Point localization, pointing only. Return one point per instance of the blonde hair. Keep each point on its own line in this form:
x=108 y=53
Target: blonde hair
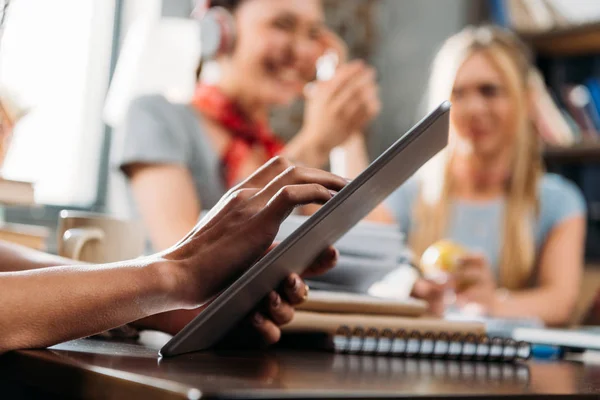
x=511 y=57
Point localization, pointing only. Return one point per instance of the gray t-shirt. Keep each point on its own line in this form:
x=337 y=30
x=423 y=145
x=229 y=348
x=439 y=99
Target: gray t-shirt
x=478 y=225
x=157 y=131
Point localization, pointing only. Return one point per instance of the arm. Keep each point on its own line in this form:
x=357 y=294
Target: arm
x=560 y=271
x=168 y=213
x=19 y=258
x=45 y=306
x=154 y=155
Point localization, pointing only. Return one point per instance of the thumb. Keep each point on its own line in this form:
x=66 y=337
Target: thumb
x=309 y=90
x=424 y=289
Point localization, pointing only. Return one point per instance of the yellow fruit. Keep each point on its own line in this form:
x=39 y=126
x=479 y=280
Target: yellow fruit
x=441 y=257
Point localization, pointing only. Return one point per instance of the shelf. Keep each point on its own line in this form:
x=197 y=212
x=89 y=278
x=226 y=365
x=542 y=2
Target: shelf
x=586 y=153
x=568 y=41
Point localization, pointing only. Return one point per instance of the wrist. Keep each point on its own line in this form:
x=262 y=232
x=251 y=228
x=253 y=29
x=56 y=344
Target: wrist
x=307 y=150
x=171 y=280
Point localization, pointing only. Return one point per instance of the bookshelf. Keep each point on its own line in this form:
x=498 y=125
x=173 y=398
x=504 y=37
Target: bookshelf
x=579 y=153
x=568 y=57
x=575 y=41
x=562 y=42
x=566 y=41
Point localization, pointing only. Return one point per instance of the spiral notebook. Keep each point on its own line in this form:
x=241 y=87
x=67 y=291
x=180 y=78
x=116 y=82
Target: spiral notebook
x=399 y=336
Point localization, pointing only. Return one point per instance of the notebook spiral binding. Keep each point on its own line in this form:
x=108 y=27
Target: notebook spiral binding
x=469 y=347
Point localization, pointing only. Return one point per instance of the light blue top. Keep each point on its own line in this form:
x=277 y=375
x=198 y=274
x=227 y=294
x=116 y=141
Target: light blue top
x=477 y=225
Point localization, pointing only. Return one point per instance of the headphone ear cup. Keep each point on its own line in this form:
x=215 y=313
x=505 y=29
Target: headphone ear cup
x=217 y=33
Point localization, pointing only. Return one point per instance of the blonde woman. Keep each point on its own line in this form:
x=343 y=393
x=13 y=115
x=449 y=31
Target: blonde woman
x=488 y=191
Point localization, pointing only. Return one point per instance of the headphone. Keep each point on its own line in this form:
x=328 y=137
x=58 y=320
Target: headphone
x=217 y=30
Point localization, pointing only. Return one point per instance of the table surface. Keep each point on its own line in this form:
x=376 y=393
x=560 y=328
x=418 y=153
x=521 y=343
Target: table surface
x=99 y=369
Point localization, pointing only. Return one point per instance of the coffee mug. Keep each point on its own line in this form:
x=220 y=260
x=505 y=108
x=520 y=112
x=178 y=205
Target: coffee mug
x=97 y=238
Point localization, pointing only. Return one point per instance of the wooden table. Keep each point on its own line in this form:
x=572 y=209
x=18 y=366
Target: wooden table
x=97 y=369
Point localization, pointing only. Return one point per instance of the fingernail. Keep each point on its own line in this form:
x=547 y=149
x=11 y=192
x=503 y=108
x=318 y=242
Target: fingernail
x=298 y=284
x=292 y=282
x=306 y=290
x=332 y=192
x=258 y=319
x=274 y=299
x=336 y=253
x=348 y=180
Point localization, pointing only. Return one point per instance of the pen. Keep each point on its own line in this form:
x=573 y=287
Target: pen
x=546 y=351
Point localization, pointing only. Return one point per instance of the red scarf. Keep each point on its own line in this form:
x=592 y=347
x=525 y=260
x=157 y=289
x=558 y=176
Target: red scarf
x=211 y=102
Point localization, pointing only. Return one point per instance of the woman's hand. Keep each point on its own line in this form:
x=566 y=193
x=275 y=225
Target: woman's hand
x=475 y=282
x=237 y=232
x=431 y=292
x=338 y=107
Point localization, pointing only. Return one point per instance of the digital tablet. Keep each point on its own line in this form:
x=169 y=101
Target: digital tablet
x=325 y=227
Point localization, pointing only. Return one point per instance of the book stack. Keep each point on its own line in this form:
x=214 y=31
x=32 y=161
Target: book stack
x=574 y=117
x=554 y=124
x=18 y=193
x=568 y=112
x=370 y=254
x=535 y=16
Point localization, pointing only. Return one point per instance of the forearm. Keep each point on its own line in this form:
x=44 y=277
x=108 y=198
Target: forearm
x=14 y=257
x=356 y=156
x=551 y=306
x=171 y=212
x=47 y=306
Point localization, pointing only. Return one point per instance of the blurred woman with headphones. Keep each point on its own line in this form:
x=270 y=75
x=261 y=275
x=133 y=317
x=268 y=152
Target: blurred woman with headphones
x=181 y=158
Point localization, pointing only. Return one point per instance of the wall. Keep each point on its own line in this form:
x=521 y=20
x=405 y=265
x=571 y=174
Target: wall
x=410 y=31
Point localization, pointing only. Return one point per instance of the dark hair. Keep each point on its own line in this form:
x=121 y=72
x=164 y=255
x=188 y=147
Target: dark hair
x=230 y=5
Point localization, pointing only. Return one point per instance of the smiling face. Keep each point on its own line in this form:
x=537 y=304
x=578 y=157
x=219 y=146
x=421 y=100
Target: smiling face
x=278 y=43
x=483 y=110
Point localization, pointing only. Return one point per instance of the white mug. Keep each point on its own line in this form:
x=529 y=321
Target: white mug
x=97 y=238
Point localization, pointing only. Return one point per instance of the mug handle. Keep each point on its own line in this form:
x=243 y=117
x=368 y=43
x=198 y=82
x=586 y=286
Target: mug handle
x=74 y=239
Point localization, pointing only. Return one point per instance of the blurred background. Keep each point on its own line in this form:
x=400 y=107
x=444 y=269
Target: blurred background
x=60 y=59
